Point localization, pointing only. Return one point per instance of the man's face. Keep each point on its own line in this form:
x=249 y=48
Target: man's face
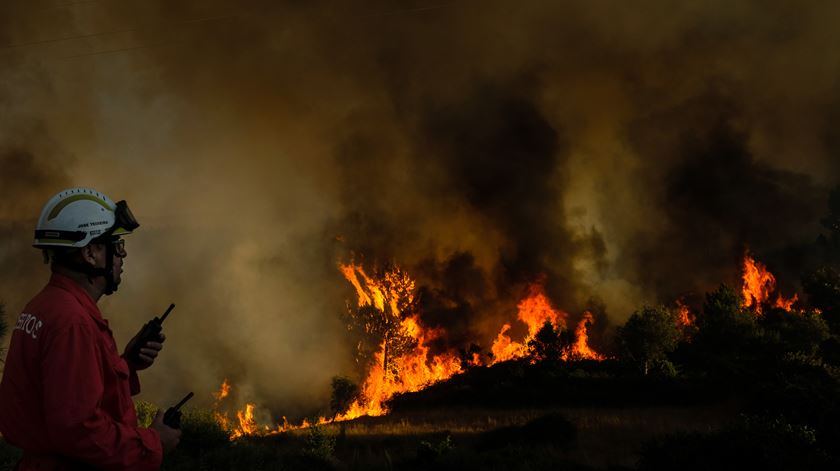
x=100 y=252
x=119 y=255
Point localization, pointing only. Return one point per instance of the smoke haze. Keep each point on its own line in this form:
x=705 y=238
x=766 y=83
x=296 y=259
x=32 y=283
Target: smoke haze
x=629 y=153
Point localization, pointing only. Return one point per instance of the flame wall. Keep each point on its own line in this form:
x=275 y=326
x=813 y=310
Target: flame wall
x=626 y=153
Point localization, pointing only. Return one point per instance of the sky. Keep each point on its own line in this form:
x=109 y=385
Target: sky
x=627 y=154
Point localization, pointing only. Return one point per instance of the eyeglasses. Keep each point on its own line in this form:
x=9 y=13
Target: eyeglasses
x=119 y=247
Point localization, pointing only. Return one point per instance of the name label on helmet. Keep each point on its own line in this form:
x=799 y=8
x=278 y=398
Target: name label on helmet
x=29 y=324
x=94 y=223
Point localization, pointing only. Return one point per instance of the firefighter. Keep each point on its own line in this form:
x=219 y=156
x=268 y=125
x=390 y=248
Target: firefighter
x=65 y=397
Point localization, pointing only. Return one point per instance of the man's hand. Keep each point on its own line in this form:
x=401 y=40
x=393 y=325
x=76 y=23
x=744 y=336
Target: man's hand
x=148 y=353
x=169 y=437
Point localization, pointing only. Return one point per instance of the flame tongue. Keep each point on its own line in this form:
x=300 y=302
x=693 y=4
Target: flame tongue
x=534 y=311
x=409 y=371
x=581 y=349
x=758 y=285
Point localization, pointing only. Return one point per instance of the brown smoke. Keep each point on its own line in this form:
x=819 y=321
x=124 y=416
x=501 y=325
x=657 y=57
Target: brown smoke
x=628 y=152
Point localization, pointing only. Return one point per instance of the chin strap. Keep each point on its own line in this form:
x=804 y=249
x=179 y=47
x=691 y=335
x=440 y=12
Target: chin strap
x=110 y=283
x=94 y=272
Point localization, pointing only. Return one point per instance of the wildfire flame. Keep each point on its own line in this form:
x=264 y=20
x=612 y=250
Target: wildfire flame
x=684 y=316
x=223 y=392
x=581 y=348
x=413 y=369
x=534 y=311
x=758 y=286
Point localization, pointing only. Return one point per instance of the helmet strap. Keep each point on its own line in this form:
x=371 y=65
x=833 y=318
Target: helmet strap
x=93 y=272
x=110 y=282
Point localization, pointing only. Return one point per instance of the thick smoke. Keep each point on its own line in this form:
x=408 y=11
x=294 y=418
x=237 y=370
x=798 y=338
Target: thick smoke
x=627 y=154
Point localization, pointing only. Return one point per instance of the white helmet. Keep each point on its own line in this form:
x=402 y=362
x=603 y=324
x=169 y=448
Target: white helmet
x=75 y=216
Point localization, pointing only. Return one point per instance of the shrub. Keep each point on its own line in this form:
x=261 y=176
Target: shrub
x=344 y=392
x=428 y=451
x=145 y=412
x=320 y=443
x=647 y=337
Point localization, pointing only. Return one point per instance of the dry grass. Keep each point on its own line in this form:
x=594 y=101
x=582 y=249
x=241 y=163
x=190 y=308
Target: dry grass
x=606 y=436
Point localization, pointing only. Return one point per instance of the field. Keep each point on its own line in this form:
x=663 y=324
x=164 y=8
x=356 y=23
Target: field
x=460 y=438
x=455 y=438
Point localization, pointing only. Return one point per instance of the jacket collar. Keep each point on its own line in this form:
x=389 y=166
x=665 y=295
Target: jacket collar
x=68 y=284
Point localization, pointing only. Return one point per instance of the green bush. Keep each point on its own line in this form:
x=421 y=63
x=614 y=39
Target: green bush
x=320 y=443
x=428 y=452
x=647 y=337
x=145 y=412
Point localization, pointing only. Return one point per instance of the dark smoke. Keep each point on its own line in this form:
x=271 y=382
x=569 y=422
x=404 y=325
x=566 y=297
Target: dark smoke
x=629 y=153
x=720 y=202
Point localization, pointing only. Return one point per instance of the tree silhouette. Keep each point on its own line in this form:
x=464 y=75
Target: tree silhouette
x=550 y=343
x=648 y=336
x=344 y=392
x=724 y=324
x=376 y=328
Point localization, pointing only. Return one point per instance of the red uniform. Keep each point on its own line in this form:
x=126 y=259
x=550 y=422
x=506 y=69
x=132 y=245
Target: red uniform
x=65 y=398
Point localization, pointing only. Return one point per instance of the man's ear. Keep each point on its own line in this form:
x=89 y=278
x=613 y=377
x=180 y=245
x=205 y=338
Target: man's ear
x=89 y=254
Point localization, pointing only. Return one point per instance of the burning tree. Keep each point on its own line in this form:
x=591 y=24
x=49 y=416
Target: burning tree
x=392 y=341
x=344 y=392
x=551 y=343
x=378 y=322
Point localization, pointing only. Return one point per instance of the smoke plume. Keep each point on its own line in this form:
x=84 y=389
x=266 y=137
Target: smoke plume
x=626 y=154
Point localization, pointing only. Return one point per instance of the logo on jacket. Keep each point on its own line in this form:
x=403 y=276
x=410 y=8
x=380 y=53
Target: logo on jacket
x=29 y=324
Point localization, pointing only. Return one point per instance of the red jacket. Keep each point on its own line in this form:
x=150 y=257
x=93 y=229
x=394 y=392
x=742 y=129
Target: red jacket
x=65 y=398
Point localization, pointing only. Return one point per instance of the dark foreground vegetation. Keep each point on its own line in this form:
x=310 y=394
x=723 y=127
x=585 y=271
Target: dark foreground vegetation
x=731 y=389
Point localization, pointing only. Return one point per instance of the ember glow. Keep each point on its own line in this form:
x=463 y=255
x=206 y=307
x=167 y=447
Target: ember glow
x=684 y=316
x=759 y=285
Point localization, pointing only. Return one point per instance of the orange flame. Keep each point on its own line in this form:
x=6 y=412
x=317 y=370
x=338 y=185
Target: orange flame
x=416 y=368
x=534 y=311
x=684 y=316
x=223 y=391
x=581 y=348
x=759 y=284
x=247 y=423
x=506 y=349
x=786 y=304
